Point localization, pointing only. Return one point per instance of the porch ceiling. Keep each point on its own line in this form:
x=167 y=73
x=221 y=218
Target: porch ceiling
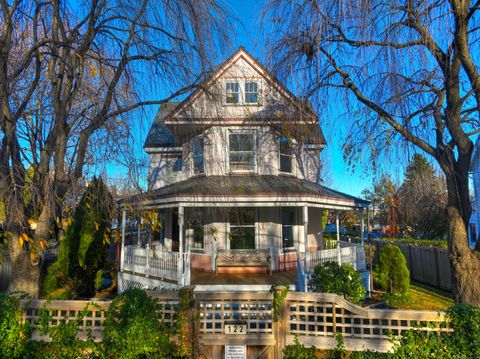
x=246 y=190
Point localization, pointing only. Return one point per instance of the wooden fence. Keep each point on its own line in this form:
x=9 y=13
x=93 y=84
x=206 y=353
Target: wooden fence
x=315 y=318
x=428 y=265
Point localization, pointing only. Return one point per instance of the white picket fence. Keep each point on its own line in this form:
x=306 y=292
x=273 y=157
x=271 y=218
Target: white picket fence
x=151 y=262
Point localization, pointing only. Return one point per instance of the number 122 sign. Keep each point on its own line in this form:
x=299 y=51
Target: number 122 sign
x=235 y=328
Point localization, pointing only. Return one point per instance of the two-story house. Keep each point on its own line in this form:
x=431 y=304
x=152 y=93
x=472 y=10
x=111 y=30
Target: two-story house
x=235 y=195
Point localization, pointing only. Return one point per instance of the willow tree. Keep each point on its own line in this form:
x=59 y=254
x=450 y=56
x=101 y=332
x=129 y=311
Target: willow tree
x=408 y=72
x=71 y=73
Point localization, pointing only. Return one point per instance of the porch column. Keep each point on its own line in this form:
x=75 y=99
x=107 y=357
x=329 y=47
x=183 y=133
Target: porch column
x=122 y=249
x=362 y=227
x=180 y=247
x=305 y=239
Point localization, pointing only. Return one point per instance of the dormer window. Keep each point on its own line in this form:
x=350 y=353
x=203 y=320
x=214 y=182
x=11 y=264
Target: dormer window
x=251 y=92
x=232 y=92
x=242 y=152
x=198 y=156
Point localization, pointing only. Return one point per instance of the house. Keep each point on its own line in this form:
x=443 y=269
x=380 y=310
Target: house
x=234 y=195
x=474 y=225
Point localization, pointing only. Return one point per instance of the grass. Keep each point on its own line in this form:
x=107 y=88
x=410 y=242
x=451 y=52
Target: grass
x=426 y=298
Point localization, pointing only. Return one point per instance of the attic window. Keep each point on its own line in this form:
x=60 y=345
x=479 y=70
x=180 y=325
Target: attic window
x=232 y=92
x=251 y=92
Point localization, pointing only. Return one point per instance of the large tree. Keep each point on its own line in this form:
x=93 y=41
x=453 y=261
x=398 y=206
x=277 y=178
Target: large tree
x=408 y=71
x=70 y=74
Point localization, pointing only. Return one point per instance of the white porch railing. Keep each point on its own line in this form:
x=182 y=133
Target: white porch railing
x=345 y=253
x=150 y=262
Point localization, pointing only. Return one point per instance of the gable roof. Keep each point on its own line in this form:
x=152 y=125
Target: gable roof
x=161 y=136
x=242 y=53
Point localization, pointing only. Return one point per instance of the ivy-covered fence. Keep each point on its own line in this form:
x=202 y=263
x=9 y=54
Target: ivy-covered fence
x=264 y=319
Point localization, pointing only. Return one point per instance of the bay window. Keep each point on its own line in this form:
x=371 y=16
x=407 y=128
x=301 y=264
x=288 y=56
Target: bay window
x=198 y=155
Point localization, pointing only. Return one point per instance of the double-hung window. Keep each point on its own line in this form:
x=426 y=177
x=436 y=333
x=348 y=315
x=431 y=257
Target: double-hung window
x=288 y=221
x=232 y=92
x=286 y=156
x=197 y=231
x=242 y=228
x=242 y=152
x=251 y=92
x=198 y=155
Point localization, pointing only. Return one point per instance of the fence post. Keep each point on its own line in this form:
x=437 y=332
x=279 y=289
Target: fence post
x=186 y=321
x=280 y=325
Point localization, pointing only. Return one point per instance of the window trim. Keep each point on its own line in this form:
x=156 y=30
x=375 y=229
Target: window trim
x=291 y=156
x=227 y=92
x=195 y=173
x=254 y=150
x=294 y=227
x=255 y=226
x=250 y=92
x=241 y=81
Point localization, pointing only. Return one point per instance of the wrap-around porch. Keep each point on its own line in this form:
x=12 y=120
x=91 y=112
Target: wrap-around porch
x=231 y=240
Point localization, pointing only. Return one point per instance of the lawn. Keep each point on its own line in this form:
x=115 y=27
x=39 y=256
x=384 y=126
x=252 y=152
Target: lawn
x=427 y=298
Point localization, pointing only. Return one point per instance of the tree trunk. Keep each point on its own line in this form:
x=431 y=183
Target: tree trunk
x=465 y=261
x=25 y=275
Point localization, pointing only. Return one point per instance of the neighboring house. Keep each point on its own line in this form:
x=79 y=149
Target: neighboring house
x=474 y=225
x=234 y=180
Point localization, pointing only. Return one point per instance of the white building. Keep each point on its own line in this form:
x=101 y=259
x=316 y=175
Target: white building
x=235 y=196
x=474 y=226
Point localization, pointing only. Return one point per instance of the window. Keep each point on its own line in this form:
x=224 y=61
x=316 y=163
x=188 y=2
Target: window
x=251 y=92
x=198 y=155
x=197 y=230
x=288 y=221
x=242 y=228
x=241 y=151
x=286 y=156
x=177 y=164
x=232 y=92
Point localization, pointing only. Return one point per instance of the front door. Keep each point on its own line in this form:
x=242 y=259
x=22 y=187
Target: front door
x=242 y=228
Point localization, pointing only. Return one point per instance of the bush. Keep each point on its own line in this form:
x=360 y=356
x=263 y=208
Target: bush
x=298 y=351
x=343 y=280
x=13 y=333
x=82 y=253
x=392 y=273
x=463 y=342
x=133 y=328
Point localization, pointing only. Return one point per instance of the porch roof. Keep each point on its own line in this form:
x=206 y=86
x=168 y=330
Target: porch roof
x=246 y=190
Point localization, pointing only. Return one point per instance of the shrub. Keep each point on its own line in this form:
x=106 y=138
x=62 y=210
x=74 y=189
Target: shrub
x=463 y=342
x=13 y=333
x=343 y=280
x=82 y=253
x=392 y=272
x=133 y=328
x=298 y=351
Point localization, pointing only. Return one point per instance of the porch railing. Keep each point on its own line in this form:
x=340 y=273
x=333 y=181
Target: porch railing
x=151 y=262
x=344 y=253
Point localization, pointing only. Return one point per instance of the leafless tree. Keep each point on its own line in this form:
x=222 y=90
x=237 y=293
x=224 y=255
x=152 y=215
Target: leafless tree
x=408 y=72
x=70 y=77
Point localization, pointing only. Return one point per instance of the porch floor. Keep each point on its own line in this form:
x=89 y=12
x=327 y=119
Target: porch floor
x=276 y=278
